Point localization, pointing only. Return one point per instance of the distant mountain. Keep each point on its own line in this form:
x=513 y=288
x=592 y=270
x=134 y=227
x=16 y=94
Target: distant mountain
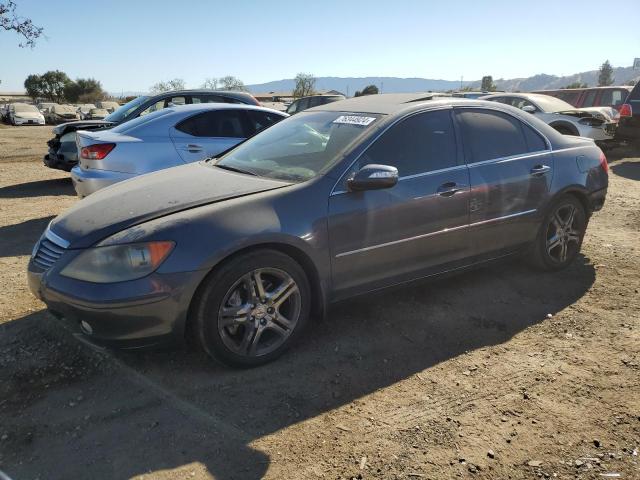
x=349 y=85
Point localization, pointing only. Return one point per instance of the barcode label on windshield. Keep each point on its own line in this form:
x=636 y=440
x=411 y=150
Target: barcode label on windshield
x=354 y=120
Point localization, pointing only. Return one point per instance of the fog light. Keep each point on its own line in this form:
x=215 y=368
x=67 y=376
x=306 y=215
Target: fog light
x=86 y=328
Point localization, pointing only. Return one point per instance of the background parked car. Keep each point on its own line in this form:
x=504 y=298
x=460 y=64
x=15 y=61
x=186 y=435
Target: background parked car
x=557 y=113
x=63 y=153
x=25 y=114
x=84 y=110
x=45 y=106
x=591 y=97
x=109 y=106
x=629 y=125
x=60 y=113
x=313 y=101
x=166 y=138
x=96 y=114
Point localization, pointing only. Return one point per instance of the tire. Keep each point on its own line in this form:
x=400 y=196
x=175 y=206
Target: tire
x=236 y=327
x=558 y=242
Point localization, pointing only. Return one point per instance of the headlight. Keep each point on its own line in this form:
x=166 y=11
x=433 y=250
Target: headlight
x=118 y=263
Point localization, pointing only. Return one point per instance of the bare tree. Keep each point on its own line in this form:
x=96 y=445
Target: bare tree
x=211 y=83
x=10 y=21
x=231 y=83
x=175 y=84
x=305 y=85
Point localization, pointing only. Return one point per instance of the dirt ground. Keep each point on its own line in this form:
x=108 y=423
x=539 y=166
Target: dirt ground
x=498 y=373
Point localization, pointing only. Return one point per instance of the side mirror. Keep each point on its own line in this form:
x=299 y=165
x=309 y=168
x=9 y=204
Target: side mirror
x=529 y=109
x=373 y=177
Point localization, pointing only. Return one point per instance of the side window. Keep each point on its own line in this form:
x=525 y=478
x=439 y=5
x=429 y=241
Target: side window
x=260 y=120
x=488 y=135
x=421 y=143
x=535 y=142
x=612 y=98
x=303 y=104
x=153 y=108
x=213 y=99
x=293 y=108
x=589 y=98
x=218 y=123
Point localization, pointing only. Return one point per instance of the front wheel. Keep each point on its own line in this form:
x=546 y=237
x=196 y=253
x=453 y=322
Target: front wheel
x=251 y=309
x=560 y=236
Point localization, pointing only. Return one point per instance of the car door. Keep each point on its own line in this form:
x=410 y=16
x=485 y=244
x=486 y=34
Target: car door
x=209 y=133
x=510 y=168
x=381 y=237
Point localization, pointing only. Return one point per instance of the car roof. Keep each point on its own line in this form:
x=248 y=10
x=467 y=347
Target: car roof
x=205 y=91
x=395 y=103
x=197 y=107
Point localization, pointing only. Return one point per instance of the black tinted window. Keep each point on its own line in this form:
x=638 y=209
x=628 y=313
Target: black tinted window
x=589 y=98
x=489 y=135
x=421 y=143
x=260 y=120
x=219 y=123
x=535 y=142
x=213 y=99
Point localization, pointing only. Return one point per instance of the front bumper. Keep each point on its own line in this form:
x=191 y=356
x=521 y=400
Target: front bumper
x=27 y=121
x=599 y=134
x=87 y=182
x=147 y=312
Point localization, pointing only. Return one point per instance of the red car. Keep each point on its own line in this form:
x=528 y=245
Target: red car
x=591 y=97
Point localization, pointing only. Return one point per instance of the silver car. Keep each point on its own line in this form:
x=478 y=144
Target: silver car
x=166 y=138
x=562 y=116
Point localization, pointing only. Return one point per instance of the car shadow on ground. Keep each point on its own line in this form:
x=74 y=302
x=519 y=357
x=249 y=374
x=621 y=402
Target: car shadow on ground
x=181 y=408
x=628 y=169
x=53 y=187
x=19 y=239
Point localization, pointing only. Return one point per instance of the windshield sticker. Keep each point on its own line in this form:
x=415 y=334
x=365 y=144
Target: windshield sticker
x=354 y=120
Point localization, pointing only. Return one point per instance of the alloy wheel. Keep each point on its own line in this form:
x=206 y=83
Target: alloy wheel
x=259 y=312
x=564 y=233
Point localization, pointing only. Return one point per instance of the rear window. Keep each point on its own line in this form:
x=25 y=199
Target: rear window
x=613 y=98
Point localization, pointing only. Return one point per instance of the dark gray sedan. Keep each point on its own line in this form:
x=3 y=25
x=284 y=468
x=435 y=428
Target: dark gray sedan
x=340 y=200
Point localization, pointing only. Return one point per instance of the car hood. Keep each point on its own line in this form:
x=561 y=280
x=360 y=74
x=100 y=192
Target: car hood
x=81 y=125
x=151 y=196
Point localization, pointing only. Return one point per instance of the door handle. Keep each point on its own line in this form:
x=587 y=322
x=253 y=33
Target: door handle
x=449 y=189
x=539 y=170
x=194 y=148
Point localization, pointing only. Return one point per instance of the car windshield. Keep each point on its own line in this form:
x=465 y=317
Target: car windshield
x=551 y=104
x=300 y=147
x=21 y=107
x=121 y=113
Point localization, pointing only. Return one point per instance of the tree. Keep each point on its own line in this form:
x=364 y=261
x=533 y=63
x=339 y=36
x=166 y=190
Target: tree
x=487 y=84
x=231 y=83
x=84 y=90
x=175 y=84
x=305 y=85
x=631 y=83
x=211 y=83
x=10 y=21
x=576 y=85
x=368 y=90
x=605 y=76
x=33 y=86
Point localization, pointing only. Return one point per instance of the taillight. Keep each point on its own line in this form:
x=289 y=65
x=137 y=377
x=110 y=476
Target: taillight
x=96 y=152
x=603 y=163
x=625 y=110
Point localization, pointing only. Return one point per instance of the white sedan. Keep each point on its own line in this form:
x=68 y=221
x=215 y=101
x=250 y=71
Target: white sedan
x=25 y=114
x=162 y=139
x=562 y=116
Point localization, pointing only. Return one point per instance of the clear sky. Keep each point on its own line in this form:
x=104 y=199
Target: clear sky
x=130 y=45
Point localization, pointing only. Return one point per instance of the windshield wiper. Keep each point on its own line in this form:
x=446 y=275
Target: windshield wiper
x=236 y=169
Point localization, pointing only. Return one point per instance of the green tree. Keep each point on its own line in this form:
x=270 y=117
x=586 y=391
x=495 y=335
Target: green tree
x=230 y=82
x=605 y=75
x=33 y=86
x=576 y=85
x=11 y=21
x=487 y=84
x=305 y=85
x=169 y=85
x=53 y=85
x=368 y=90
x=85 y=90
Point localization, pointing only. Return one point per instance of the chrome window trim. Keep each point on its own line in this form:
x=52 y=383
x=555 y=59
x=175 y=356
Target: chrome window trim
x=52 y=237
x=431 y=234
x=509 y=159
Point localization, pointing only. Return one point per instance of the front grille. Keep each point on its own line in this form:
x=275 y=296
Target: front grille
x=48 y=252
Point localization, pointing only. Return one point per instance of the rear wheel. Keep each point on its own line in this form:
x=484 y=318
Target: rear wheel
x=560 y=236
x=251 y=309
